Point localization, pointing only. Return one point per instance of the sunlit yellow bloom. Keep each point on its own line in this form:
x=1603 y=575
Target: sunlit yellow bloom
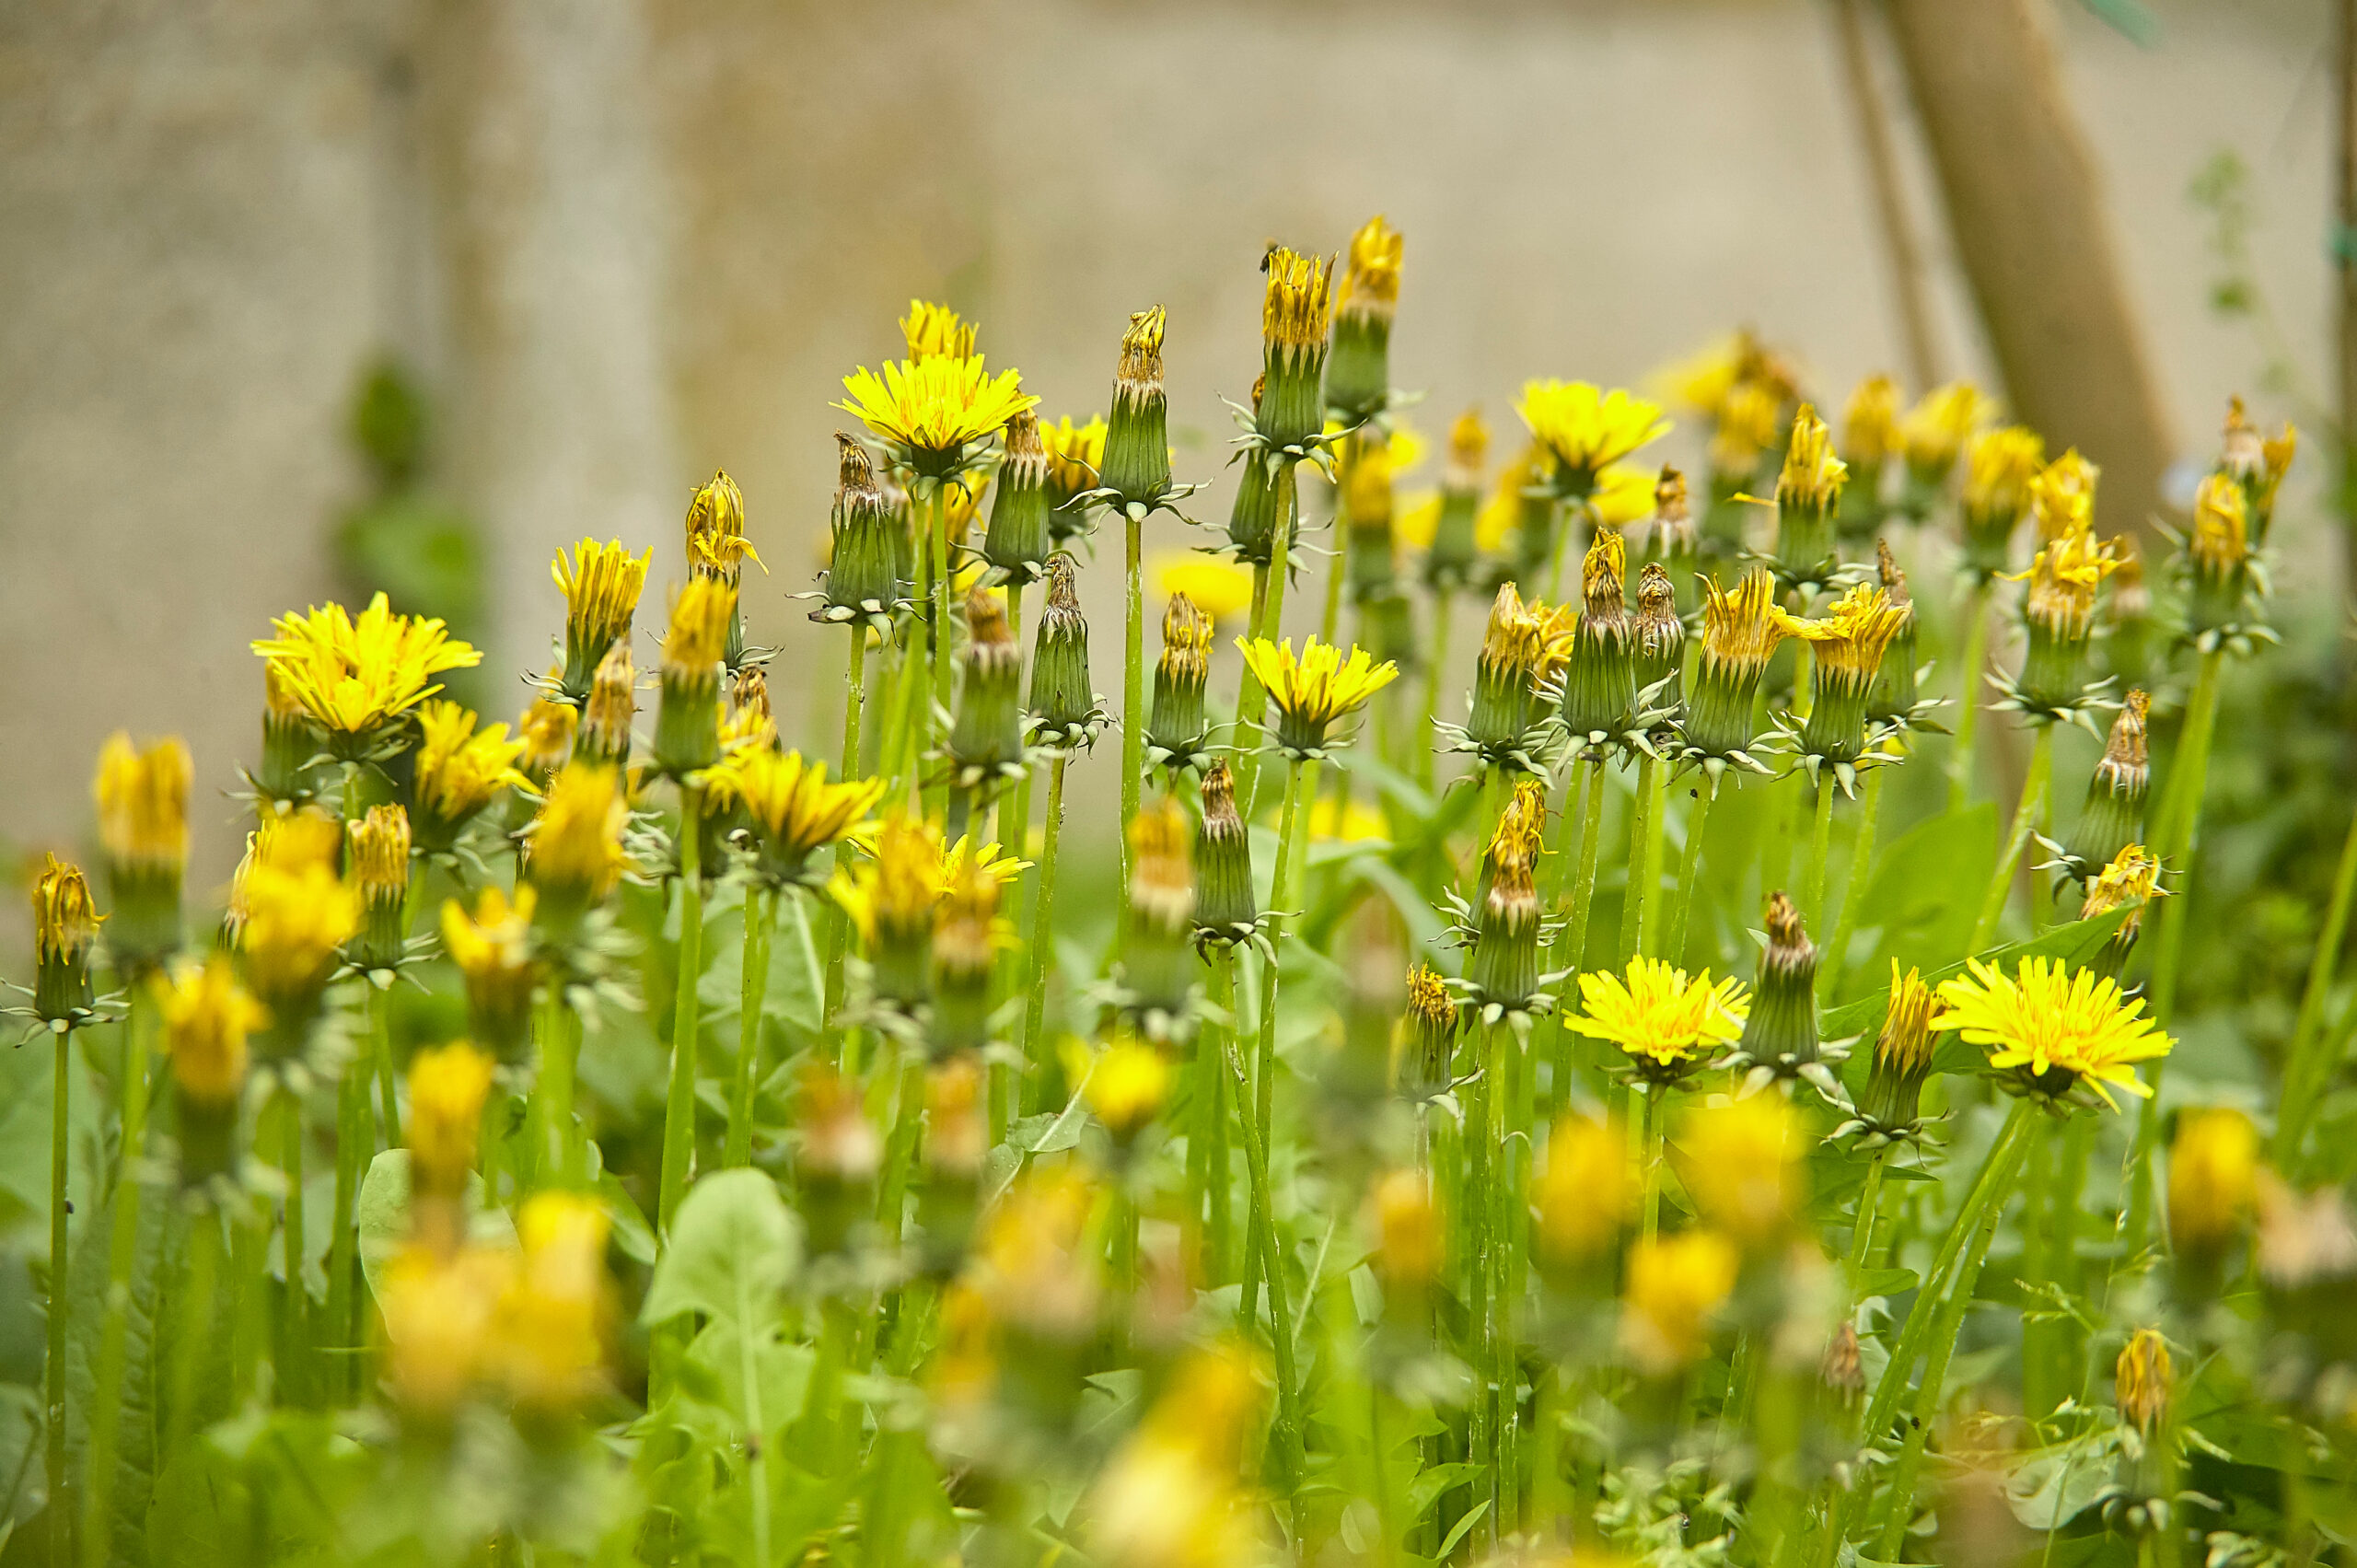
x=1128 y=1086
x=935 y=407
x=1221 y=588
x=1704 y=381
x=1297 y=303
x=1585 y=428
x=353 y=677
x=1854 y=634
x=460 y=768
x=142 y=801
x=1312 y=691
x=794 y=807
x=447 y=1086
x=1741 y=1163
x=936 y=332
x=577 y=843
x=2221 y=538
x=378 y=853
x=1371 y=287
x=64 y=920
x=2143 y=1381
x=1173 y=1494
x=601 y=585
x=1870 y=423
x=1905 y=1042
x=1677 y=1284
x=207 y=1016
x=1585 y=1190
x=1812 y=475
x=1659 y=1014
x=715 y=527
x=1934 y=430
x=2064 y=580
x=2060 y=1029
x=1741 y=626
x=555 y=1316
x=2213 y=1178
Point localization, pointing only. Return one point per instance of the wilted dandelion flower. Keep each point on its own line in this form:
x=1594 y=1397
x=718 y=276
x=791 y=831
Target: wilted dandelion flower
x=2131 y=880
x=2113 y=815
x=1176 y=727
x=1599 y=676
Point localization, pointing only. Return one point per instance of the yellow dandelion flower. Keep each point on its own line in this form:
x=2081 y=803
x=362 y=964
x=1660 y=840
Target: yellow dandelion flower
x=601 y=583
x=1659 y=1014
x=1585 y=428
x=1934 y=431
x=699 y=636
x=1741 y=1164
x=1219 y=589
x=1999 y=467
x=460 y=768
x=1745 y=427
x=1623 y=495
x=1313 y=692
x=931 y=410
x=796 y=811
x=577 y=843
x=353 y=676
x=1128 y=1086
x=1075 y=454
x=2131 y=881
x=554 y=1316
x=207 y=1018
x=1677 y=1284
x=2065 y=579
x=65 y=921
x=295 y=920
x=2221 y=538
x=142 y=801
x=492 y=948
x=2143 y=1380
x=2213 y=1178
x=1354 y=822
x=1812 y=476
x=439 y=1310
x=936 y=332
x=1298 y=305
x=1371 y=284
x=715 y=530
x=447 y=1086
x=1870 y=422
x=1741 y=626
x=1585 y=1191
x=1852 y=637
x=2056 y=1027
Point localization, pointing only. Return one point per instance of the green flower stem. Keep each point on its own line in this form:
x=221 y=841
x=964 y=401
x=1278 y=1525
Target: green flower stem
x=1820 y=844
x=1968 y=691
x=105 y=1414
x=1653 y=1108
x=1853 y=893
x=1861 y=1229
x=1035 y=979
x=1133 y=692
x=248 y=1242
x=1330 y=624
x=294 y=1378
x=1649 y=897
x=761 y=914
x=1301 y=787
x=1506 y=1249
x=679 y=1105
x=1285 y=1434
x=1673 y=946
x=1436 y=667
x=1480 y=1207
x=1251 y=700
x=1571 y=943
x=855 y=699
x=60 y=1305
x=1643 y=823
x=354 y=1138
x=552 y=1106
x=1208 y=1199
x=2305 y=1067
x=936 y=508
x=2035 y=784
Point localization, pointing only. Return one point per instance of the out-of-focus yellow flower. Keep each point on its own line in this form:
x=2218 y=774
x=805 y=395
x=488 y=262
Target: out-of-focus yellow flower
x=2143 y=1380
x=1359 y=822
x=2213 y=1180
x=1173 y=1496
x=554 y=1316
x=1075 y=454
x=2062 y=496
x=1659 y=1016
x=2221 y=538
x=492 y=948
x=1371 y=286
x=356 y=677
x=576 y=843
x=207 y=1018
x=546 y=730
x=447 y=1086
x=2060 y=1029
x=1677 y=1284
x=142 y=801
x=440 y=1311
x=1221 y=588
x=896 y=890
x=1870 y=423
x=1585 y=428
x=1501 y=513
x=1934 y=430
x=1744 y=428
x=295 y=920
x=1741 y=1162
x=1407 y=1231
x=1032 y=1261
x=1812 y=476
x=1128 y=1087
x=1999 y=467
x=460 y=768
x=1585 y=1190
x=699 y=636
x=1623 y=495
x=936 y=332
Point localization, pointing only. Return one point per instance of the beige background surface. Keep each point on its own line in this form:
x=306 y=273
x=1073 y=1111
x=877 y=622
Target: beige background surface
x=628 y=241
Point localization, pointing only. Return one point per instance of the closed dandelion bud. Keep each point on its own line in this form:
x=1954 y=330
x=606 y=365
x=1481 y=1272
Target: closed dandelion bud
x=556 y=1314
x=1128 y=1087
x=1358 y=375
x=1425 y=1047
x=2062 y=497
x=459 y=769
x=1600 y=680
x=716 y=530
x=601 y=583
x=1660 y=646
x=1016 y=542
x=2129 y=881
x=1670 y=539
x=1264 y=503
x=2217 y=556
x=2113 y=817
x=1999 y=467
x=1176 y=727
x=836 y=1157
x=1370 y=553
x=687 y=725
x=1676 y=1285
x=1158 y=970
x=1780 y=1037
x=1455 y=551
x=1225 y=911
x=867 y=536
x=1743 y=1163
x=1314 y=692
x=603 y=735
x=986 y=737
x=1584 y=1194
x=1846 y=647
x=1521 y=829
x=1502 y=976
x=1870 y=439
x=1136 y=470
x=298 y=916
x=2058 y=616
x=207 y=1020
x=142 y=826
x=492 y=948
x=1296 y=311
x=1740 y=631
x=1505 y=677
x=2213 y=1182
x=287 y=743
x=1891 y=1109
x=890 y=899
x=1063 y=707
x=546 y=730
x=289 y=842
x=1584 y=430
x=1932 y=435
x=2143 y=1382
x=447 y=1086
x=968 y=934
x=64 y=925
x=576 y=843
x=1894 y=694
x=1808 y=493
x=1073 y=453
x=1409 y=1238
x=792 y=809
x=377 y=859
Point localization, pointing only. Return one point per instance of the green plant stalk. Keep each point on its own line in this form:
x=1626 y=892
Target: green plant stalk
x=1436 y=667
x=1301 y=787
x=854 y=699
x=2035 y=784
x=1133 y=691
x=249 y=1240
x=1035 y=976
x=60 y=1304
x=1861 y=1229
x=1654 y=1108
x=105 y=1414
x=1643 y=823
x=937 y=509
x=1853 y=893
x=1211 y=1201
x=1481 y=1208
x=1673 y=946
x=679 y=1105
x=1251 y=699
x=1510 y=1110
x=295 y=1378
x=1285 y=1434
x=353 y=1137
x=2305 y=1067
x=552 y=1106
x=761 y=914
x=1820 y=844
x=1957 y=1301
x=1571 y=947
x=1976 y=653
x=1648 y=942
x=1330 y=624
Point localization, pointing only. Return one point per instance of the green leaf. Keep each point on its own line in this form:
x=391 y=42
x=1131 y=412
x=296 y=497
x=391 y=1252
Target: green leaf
x=1456 y=1531
x=1427 y=1488
x=733 y=1248
x=135 y=1435
x=1887 y=1282
x=2054 y=1486
x=726 y=1373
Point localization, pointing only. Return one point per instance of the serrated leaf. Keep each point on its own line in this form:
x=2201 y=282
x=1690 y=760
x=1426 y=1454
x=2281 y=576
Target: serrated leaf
x=733 y=1247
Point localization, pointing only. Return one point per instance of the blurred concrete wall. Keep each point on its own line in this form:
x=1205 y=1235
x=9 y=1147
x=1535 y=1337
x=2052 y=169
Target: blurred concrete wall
x=630 y=240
